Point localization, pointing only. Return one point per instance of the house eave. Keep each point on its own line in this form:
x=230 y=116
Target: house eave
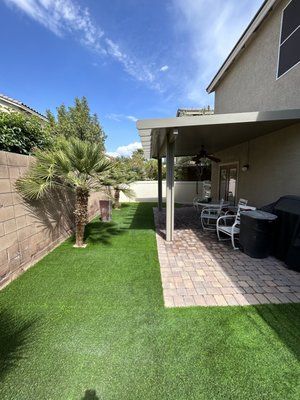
x=215 y=132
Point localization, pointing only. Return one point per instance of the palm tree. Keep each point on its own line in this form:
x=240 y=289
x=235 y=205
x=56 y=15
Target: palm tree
x=118 y=178
x=75 y=164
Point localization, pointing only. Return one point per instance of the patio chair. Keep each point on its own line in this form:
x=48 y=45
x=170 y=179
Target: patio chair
x=234 y=229
x=242 y=202
x=234 y=209
x=196 y=200
x=209 y=216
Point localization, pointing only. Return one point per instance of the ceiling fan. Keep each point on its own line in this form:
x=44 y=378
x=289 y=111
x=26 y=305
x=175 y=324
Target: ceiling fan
x=204 y=154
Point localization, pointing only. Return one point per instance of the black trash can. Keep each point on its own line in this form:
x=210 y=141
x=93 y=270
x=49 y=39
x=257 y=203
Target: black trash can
x=256 y=233
x=287 y=230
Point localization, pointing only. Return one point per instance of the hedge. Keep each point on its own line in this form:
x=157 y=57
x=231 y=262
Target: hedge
x=21 y=133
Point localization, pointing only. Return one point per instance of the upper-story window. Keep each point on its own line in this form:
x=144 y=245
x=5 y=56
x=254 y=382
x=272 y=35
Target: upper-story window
x=289 y=46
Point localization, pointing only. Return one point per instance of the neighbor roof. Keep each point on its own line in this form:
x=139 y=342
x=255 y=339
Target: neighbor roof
x=193 y=112
x=22 y=106
x=214 y=132
x=247 y=36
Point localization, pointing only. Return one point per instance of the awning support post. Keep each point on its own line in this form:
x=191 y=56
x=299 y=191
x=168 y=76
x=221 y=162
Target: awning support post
x=170 y=189
x=159 y=181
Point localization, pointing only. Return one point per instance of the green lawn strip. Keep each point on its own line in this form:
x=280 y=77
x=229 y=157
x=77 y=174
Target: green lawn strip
x=94 y=319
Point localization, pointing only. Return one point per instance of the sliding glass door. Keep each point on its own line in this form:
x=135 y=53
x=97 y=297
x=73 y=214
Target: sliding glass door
x=228 y=182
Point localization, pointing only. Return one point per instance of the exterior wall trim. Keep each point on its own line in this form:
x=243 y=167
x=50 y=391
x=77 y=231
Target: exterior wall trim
x=258 y=19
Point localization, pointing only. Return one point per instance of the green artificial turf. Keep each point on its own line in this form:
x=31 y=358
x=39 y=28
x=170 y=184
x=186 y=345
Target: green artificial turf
x=90 y=324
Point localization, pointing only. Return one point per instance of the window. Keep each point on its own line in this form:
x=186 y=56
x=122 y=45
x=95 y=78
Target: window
x=289 y=46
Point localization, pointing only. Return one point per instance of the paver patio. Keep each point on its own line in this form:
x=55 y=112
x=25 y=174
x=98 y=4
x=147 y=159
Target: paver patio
x=197 y=270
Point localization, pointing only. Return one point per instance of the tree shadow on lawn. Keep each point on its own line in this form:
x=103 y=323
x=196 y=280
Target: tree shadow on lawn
x=139 y=216
x=15 y=336
x=284 y=319
x=97 y=232
x=136 y=217
x=90 y=394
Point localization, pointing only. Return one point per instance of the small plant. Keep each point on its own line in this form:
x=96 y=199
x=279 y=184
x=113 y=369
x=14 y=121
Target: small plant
x=118 y=178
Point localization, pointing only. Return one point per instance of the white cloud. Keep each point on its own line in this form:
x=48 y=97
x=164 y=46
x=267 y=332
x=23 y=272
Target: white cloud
x=133 y=67
x=114 y=117
x=64 y=17
x=120 y=117
x=125 y=151
x=131 y=118
x=204 y=33
x=211 y=28
x=164 y=68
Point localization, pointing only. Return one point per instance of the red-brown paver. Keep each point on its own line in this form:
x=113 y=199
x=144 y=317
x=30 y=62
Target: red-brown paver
x=197 y=270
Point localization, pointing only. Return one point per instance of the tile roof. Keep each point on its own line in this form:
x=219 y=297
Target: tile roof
x=22 y=105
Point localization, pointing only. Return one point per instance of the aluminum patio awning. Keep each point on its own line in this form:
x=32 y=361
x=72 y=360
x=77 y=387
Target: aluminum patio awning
x=184 y=136
x=214 y=132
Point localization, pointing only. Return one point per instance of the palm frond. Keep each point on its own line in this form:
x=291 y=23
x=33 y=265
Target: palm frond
x=74 y=163
x=127 y=191
x=32 y=188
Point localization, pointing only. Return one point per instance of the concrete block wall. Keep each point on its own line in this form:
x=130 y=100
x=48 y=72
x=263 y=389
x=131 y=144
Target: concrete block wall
x=145 y=191
x=29 y=230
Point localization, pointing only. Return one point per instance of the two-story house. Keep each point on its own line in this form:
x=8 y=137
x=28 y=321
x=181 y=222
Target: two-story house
x=262 y=73
x=255 y=131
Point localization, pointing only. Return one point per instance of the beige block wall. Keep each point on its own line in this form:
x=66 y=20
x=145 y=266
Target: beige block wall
x=274 y=161
x=251 y=84
x=28 y=231
x=146 y=191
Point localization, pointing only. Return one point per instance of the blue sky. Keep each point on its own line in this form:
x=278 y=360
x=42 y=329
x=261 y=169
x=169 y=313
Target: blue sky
x=132 y=59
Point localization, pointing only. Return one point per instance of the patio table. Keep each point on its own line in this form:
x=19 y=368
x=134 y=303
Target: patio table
x=213 y=205
x=233 y=209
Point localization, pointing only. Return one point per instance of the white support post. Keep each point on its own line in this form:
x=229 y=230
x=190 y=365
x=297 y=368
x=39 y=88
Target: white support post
x=159 y=168
x=170 y=189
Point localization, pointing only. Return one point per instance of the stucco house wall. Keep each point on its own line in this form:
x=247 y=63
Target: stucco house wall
x=274 y=161
x=251 y=84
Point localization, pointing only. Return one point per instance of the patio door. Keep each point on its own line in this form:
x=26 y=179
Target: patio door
x=228 y=182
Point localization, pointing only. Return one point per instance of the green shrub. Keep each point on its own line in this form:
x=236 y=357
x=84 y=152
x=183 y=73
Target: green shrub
x=20 y=133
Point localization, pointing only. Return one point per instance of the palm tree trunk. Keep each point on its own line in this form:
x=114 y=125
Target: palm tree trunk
x=117 y=199
x=81 y=214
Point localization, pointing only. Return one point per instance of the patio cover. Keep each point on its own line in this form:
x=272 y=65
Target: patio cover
x=184 y=136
